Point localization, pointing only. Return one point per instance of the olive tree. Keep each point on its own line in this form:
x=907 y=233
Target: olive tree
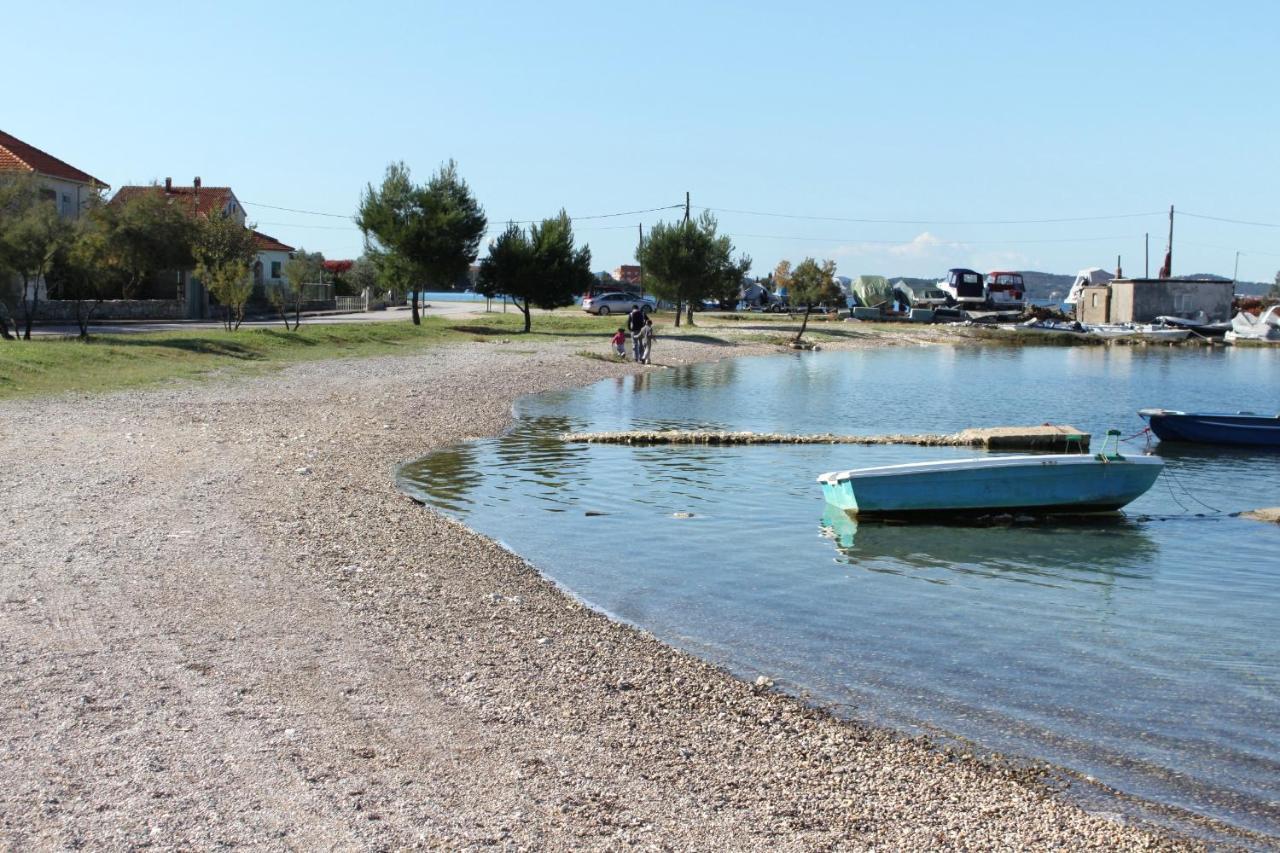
x=32 y=235
x=812 y=283
x=224 y=253
x=302 y=268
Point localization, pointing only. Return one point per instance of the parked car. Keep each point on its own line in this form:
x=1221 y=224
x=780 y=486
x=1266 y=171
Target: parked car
x=603 y=304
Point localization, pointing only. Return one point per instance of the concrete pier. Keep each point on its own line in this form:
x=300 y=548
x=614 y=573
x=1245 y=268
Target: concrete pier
x=1048 y=437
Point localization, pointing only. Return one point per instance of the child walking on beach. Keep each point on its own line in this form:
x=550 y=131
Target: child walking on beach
x=619 y=341
x=646 y=340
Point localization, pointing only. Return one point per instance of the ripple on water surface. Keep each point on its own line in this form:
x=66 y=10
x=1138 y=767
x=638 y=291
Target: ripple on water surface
x=1144 y=652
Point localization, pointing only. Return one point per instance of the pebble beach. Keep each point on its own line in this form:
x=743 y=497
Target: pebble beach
x=223 y=626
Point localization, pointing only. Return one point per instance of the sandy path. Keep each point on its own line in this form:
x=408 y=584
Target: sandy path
x=220 y=625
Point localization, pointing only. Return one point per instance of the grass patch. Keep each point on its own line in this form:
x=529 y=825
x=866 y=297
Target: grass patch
x=112 y=362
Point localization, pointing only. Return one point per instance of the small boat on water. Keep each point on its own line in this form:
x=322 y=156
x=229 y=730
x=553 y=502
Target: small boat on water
x=1139 y=331
x=1047 y=327
x=1197 y=325
x=1241 y=428
x=1038 y=485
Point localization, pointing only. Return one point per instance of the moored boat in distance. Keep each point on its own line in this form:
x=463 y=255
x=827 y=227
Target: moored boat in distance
x=1075 y=483
x=1139 y=331
x=1254 y=325
x=1244 y=429
x=1084 y=278
x=964 y=287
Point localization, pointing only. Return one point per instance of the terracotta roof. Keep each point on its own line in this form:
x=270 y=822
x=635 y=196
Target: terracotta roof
x=197 y=201
x=267 y=243
x=18 y=156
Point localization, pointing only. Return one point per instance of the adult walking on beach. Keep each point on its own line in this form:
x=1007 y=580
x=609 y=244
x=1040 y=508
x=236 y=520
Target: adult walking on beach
x=635 y=324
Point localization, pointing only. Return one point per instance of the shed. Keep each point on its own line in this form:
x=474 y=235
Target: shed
x=1141 y=300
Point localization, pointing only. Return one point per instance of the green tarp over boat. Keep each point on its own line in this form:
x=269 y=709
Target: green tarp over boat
x=872 y=290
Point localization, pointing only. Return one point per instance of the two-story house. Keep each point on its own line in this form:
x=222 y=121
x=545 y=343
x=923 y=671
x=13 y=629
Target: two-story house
x=66 y=186
x=200 y=200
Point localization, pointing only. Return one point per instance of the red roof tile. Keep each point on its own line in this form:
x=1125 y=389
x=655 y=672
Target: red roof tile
x=269 y=244
x=197 y=201
x=18 y=156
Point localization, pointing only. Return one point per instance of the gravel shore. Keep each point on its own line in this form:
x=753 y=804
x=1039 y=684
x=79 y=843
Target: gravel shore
x=221 y=625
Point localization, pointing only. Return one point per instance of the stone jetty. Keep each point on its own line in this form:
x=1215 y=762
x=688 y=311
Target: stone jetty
x=1047 y=437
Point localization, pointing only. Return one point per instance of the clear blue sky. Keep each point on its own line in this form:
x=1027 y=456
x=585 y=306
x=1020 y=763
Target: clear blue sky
x=937 y=112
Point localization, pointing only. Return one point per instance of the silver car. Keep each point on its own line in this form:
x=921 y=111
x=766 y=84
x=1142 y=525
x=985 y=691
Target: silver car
x=604 y=304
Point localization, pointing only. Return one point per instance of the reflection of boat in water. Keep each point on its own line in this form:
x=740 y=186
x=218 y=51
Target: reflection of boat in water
x=1064 y=483
x=1076 y=549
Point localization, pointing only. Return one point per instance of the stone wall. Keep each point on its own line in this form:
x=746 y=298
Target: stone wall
x=64 y=311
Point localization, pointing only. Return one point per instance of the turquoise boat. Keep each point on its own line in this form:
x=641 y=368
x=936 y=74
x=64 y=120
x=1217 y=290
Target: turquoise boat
x=1037 y=485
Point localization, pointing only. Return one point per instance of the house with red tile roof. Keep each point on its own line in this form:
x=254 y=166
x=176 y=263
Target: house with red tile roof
x=66 y=186
x=200 y=200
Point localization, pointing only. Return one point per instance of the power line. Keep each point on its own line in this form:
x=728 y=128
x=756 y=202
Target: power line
x=935 y=221
x=938 y=241
x=297 y=210
x=348 y=216
x=1225 y=219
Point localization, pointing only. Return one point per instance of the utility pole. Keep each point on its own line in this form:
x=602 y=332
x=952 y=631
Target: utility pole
x=1168 y=258
x=1236 y=272
x=639 y=260
x=1119 y=269
x=686 y=206
x=1146 y=255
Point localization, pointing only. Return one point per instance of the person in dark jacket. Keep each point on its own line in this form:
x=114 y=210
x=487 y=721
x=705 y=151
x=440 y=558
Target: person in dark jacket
x=635 y=325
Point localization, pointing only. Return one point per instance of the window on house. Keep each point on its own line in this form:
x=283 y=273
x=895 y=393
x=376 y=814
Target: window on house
x=275 y=269
x=66 y=204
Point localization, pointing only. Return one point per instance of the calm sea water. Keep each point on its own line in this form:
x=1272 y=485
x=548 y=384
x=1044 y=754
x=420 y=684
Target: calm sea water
x=1144 y=652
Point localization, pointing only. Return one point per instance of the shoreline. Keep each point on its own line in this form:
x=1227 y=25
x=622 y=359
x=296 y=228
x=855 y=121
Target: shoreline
x=264 y=641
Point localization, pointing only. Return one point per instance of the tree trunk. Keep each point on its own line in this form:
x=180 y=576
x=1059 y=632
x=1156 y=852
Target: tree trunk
x=679 y=308
x=528 y=317
x=297 y=312
x=4 y=328
x=689 y=316
x=82 y=319
x=804 y=323
x=30 y=306
x=413 y=299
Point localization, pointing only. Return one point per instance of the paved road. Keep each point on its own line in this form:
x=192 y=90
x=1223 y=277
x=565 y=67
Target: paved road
x=446 y=309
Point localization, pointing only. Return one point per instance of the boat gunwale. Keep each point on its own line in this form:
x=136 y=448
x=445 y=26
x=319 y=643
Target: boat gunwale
x=980 y=463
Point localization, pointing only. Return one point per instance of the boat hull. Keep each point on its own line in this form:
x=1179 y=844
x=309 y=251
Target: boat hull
x=1214 y=428
x=1037 y=485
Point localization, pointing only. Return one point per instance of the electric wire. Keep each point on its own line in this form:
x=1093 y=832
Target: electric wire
x=932 y=221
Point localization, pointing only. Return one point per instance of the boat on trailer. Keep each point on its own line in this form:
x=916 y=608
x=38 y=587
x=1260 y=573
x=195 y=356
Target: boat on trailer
x=1243 y=429
x=964 y=287
x=1005 y=291
x=1066 y=484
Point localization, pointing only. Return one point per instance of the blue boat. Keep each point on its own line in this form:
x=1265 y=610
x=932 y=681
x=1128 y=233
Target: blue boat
x=1240 y=428
x=1038 y=485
